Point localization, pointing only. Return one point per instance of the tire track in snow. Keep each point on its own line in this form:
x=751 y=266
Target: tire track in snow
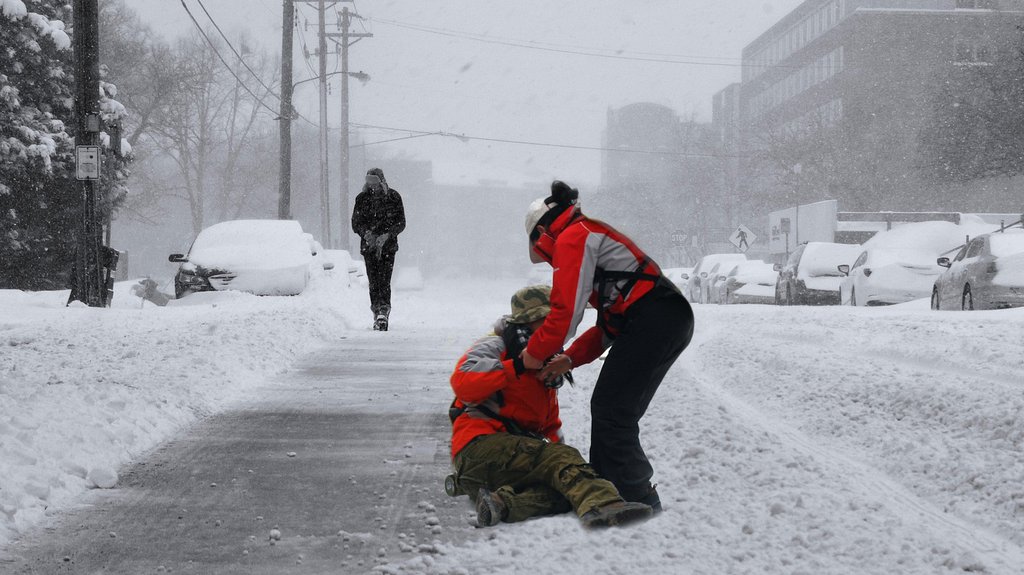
x=996 y=553
x=940 y=365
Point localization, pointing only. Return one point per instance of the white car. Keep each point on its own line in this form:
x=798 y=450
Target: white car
x=749 y=282
x=694 y=287
x=889 y=276
x=711 y=285
x=987 y=273
x=678 y=276
x=899 y=265
x=263 y=257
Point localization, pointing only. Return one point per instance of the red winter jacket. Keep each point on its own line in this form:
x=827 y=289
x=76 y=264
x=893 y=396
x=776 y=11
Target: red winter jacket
x=485 y=376
x=580 y=250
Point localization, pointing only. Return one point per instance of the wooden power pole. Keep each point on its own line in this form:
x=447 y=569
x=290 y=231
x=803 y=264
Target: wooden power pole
x=284 y=204
x=344 y=43
x=89 y=285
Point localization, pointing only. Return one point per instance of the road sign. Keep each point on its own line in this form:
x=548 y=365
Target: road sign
x=87 y=162
x=742 y=238
x=679 y=239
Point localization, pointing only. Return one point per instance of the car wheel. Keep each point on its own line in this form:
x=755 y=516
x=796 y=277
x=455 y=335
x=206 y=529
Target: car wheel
x=935 y=299
x=967 y=303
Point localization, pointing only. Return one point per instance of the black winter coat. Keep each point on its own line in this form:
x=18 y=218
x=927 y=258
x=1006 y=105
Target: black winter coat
x=379 y=213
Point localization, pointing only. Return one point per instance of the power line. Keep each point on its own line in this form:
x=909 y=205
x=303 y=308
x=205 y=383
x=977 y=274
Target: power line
x=239 y=56
x=231 y=70
x=471 y=35
x=223 y=61
x=561 y=49
x=543 y=144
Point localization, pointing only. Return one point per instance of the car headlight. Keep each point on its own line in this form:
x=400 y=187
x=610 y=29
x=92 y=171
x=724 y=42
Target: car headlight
x=189 y=278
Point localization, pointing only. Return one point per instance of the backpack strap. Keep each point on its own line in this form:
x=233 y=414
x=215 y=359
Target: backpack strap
x=510 y=425
x=603 y=277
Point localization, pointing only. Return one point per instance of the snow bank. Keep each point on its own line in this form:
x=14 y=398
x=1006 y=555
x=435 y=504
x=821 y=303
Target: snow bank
x=84 y=390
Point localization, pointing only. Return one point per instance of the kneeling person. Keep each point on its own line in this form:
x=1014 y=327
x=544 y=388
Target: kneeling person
x=507 y=449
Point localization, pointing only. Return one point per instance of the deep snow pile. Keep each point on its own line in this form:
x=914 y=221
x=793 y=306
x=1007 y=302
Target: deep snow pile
x=83 y=391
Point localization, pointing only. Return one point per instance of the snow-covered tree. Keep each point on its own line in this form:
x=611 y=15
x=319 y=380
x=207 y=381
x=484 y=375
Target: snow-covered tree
x=39 y=203
x=37 y=200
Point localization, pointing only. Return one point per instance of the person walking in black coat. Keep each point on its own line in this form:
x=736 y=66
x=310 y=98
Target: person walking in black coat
x=378 y=217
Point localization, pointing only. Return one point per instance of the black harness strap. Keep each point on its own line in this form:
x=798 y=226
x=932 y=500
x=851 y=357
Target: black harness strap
x=510 y=425
x=603 y=277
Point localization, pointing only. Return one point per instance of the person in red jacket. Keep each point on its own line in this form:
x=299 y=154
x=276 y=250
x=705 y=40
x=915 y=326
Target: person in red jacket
x=642 y=312
x=507 y=449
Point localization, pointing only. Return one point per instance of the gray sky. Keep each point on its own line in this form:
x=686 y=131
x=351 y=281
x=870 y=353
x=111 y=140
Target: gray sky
x=518 y=80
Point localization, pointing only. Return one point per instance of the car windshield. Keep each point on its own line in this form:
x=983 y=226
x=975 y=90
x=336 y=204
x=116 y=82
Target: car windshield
x=1006 y=244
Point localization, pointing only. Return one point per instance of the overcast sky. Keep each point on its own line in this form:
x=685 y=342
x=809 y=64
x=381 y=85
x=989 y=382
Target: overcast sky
x=508 y=71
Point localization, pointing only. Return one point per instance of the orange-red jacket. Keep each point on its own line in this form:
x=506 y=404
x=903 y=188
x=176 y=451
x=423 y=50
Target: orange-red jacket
x=580 y=250
x=485 y=376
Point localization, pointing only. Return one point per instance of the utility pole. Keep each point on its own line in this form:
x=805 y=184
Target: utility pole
x=89 y=285
x=346 y=21
x=325 y=201
x=284 y=204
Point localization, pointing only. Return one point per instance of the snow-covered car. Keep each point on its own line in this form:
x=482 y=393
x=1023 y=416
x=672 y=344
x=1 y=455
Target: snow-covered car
x=678 y=276
x=263 y=257
x=987 y=273
x=694 y=287
x=811 y=275
x=749 y=282
x=343 y=262
x=899 y=265
x=716 y=278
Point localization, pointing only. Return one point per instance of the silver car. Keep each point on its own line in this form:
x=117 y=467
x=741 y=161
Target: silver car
x=987 y=273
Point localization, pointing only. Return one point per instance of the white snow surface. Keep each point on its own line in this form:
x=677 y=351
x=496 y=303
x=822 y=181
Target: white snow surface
x=785 y=440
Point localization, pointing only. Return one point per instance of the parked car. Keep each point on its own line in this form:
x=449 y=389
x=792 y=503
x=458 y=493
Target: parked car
x=899 y=265
x=716 y=277
x=694 y=289
x=342 y=262
x=987 y=273
x=264 y=257
x=749 y=282
x=811 y=275
x=678 y=276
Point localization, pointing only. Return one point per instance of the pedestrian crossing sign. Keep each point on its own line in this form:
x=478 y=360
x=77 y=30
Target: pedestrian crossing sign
x=742 y=238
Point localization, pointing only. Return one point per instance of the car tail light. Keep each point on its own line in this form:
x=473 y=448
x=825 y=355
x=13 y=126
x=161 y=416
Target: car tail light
x=992 y=268
x=867 y=272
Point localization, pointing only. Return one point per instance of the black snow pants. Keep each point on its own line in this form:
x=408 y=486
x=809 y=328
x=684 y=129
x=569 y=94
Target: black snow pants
x=657 y=328
x=378 y=272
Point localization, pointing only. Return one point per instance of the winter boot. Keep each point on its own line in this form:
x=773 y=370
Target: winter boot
x=490 y=509
x=652 y=499
x=618 y=513
x=381 y=322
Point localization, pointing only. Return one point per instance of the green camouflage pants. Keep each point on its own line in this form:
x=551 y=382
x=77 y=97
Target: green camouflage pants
x=531 y=476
